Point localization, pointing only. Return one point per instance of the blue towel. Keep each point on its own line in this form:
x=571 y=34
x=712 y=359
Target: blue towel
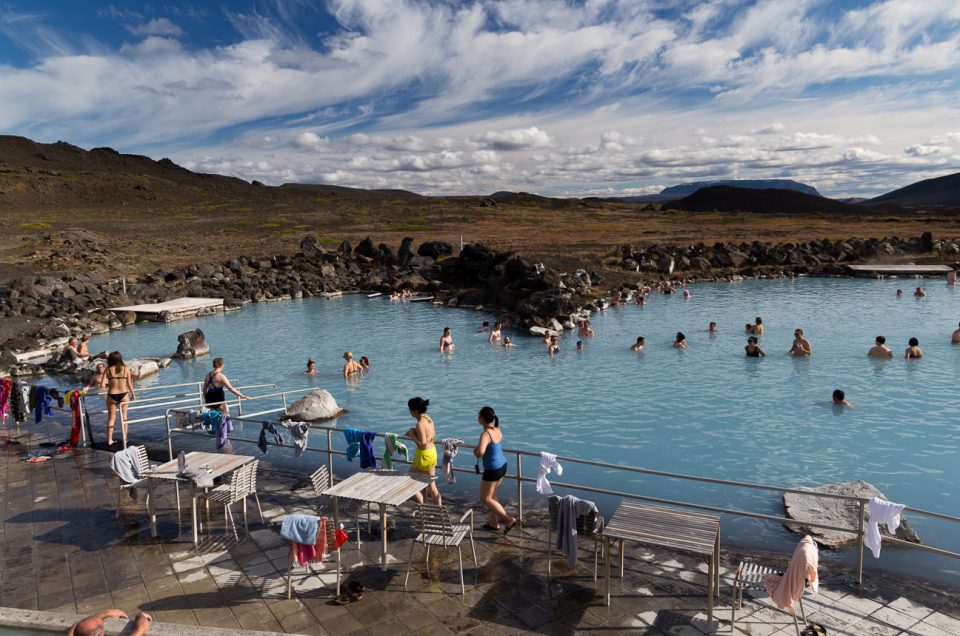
x=367 y=457
x=223 y=431
x=353 y=437
x=42 y=403
x=300 y=529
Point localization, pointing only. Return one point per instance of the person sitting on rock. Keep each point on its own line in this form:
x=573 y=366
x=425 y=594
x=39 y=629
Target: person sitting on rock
x=83 y=350
x=93 y=625
x=70 y=352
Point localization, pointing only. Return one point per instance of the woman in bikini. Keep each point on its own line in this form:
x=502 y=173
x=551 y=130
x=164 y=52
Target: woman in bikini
x=215 y=385
x=350 y=366
x=118 y=381
x=489 y=451
x=446 y=341
x=424 y=434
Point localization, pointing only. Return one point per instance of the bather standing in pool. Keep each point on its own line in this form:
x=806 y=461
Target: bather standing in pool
x=801 y=346
x=638 y=345
x=554 y=347
x=507 y=344
x=424 y=434
x=955 y=338
x=758 y=328
x=913 y=352
x=495 y=333
x=585 y=329
x=880 y=350
x=680 y=342
x=311 y=367
x=753 y=349
x=446 y=341
x=350 y=366
x=920 y=293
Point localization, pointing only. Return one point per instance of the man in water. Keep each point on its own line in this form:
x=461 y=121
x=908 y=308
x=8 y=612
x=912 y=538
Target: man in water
x=712 y=328
x=881 y=350
x=840 y=399
x=955 y=338
x=801 y=346
x=585 y=329
x=579 y=345
x=920 y=293
x=93 y=625
x=638 y=345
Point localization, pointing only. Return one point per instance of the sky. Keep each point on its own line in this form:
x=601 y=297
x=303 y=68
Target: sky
x=556 y=97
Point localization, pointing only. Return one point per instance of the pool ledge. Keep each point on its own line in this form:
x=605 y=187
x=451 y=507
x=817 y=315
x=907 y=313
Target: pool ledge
x=55 y=622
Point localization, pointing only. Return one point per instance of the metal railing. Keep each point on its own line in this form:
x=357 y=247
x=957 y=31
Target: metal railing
x=860 y=502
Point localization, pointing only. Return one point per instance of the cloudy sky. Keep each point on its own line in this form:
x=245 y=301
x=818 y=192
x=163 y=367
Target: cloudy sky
x=558 y=97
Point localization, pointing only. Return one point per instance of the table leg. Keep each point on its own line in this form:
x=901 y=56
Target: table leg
x=621 y=558
x=383 y=538
x=151 y=508
x=716 y=566
x=710 y=567
x=193 y=515
x=606 y=547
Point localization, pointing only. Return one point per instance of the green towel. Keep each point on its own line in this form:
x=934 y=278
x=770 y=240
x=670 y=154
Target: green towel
x=393 y=445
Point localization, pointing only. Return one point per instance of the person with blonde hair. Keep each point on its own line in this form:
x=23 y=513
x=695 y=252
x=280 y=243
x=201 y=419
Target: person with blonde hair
x=350 y=366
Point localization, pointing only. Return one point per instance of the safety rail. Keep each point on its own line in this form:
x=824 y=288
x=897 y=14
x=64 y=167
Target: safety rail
x=861 y=502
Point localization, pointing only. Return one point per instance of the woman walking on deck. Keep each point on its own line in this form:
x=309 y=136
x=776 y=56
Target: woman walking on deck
x=489 y=452
x=118 y=381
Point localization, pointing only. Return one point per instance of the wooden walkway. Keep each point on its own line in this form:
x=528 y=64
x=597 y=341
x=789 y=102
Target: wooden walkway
x=177 y=309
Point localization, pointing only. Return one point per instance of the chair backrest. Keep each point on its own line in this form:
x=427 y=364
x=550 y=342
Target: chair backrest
x=434 y=520
x=243 y=481
x=586 y=524
x=143 y=462
x=320 y=479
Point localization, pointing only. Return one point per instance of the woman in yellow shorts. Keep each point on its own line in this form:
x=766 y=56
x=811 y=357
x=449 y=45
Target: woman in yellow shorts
x=424 y=435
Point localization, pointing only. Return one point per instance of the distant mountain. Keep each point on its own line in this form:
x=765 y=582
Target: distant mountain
x=730 y=199
x=686 y=189
x=939 y=191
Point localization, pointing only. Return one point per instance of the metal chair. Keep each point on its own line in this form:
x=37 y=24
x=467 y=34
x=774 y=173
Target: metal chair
x=240 y=485
x=331 y=541
x=142 y=464
x=321 y=480
x=589 y=525
x=436 y=529
x=749 y=576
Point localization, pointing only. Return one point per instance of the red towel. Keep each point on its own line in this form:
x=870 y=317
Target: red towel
x=303 y=554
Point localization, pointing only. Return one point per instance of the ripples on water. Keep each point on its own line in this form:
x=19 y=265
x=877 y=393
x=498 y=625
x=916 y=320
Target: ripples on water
x=707 y=411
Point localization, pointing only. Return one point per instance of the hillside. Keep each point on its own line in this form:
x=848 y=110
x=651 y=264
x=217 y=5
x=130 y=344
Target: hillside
x=940 y=191
x=682 y=190
x=730 y=199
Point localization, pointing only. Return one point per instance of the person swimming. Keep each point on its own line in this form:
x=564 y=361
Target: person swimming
x=495 y=333
x=446 y=340
x=712 y=327
x=753 y=349
x=579 y=345
x=955 y=338
x=638 y=345
x=839 y=398
x=680 y=342
x=641 y=300
x=686 y=294
x=913 y=352
x=585 y=331
x=748 y=327
x=485 y=327
x=507 y=344
x=920 y=293
x=553 y=348
x=311 y=367
x=365 y=363
x=880 y=349
x=899 y=293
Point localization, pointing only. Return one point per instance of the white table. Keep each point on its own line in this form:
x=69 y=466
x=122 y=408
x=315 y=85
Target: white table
x=219 y=464
x=382 y=487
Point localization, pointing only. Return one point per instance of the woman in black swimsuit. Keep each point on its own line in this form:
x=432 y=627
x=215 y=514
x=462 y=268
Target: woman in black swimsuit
x=753 y=349
x=215 y=385
x=118 y=381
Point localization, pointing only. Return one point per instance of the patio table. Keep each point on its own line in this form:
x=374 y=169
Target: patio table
x=219 y=466
x=382 y=487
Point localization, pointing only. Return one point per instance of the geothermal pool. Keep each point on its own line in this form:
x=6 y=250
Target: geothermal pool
x=707 y=411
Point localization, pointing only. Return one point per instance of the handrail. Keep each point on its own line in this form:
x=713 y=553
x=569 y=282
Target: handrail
x=138 y=405
x=858 y=532
x=175 y=386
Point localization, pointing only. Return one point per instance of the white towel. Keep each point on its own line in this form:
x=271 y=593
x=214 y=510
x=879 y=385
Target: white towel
x=548 y=463
x=451 y=446
x=881 y=512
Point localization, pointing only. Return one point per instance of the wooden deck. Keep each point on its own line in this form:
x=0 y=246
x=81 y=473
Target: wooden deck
x=177 y=309
x=899 y=270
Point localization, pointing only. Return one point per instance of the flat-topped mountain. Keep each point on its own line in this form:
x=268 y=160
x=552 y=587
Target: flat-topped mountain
x=730 y=199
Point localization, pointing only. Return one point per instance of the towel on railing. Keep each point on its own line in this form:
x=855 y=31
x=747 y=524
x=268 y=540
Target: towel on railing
x=187 y=419
x=393 y=446
x=548 y=464
x=881 y=511
x=224 y=430
x=785 y=590
x=299 y=528
x=6 y=388
x=300 y=432
x=570 y=508
x=41 y=401
x=451 y=446
x=360 y=443
x=268 y=427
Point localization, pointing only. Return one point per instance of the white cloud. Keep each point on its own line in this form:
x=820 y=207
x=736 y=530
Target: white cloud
x=923 y=150
x=157 y=26
x=153 y=45
x=517 y=139
x=308 y=140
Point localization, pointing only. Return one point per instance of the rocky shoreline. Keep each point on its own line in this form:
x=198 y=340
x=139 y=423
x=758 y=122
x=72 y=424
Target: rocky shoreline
x=49 y=309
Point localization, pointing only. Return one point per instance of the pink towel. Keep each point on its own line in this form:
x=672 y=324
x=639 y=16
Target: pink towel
x=785 y=590
x=303 y=554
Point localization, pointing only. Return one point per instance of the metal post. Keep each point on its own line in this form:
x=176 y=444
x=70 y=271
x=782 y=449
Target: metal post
x=863 y=511
x=330 y=454
x=283 y=398
x=519 y=490
x=169 y=436
x=239 y=406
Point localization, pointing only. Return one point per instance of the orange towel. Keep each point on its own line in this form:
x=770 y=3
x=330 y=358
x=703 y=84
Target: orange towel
x=303 y=554
x=785 y=590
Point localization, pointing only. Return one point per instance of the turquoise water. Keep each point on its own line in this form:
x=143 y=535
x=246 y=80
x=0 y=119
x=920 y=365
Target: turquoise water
x=707 y=411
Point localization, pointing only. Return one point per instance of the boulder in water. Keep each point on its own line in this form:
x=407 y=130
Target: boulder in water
x=143 y=367
x=316 y=405
x=838 y=513
x=191 y=344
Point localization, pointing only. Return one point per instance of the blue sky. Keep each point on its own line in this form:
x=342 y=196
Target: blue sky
x=608 y=97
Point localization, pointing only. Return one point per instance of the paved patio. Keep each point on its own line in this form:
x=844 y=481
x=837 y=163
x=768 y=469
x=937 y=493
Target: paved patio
x=63 y=550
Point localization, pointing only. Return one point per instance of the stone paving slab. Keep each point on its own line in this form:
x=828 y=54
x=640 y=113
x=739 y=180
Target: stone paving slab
x=62 y=549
